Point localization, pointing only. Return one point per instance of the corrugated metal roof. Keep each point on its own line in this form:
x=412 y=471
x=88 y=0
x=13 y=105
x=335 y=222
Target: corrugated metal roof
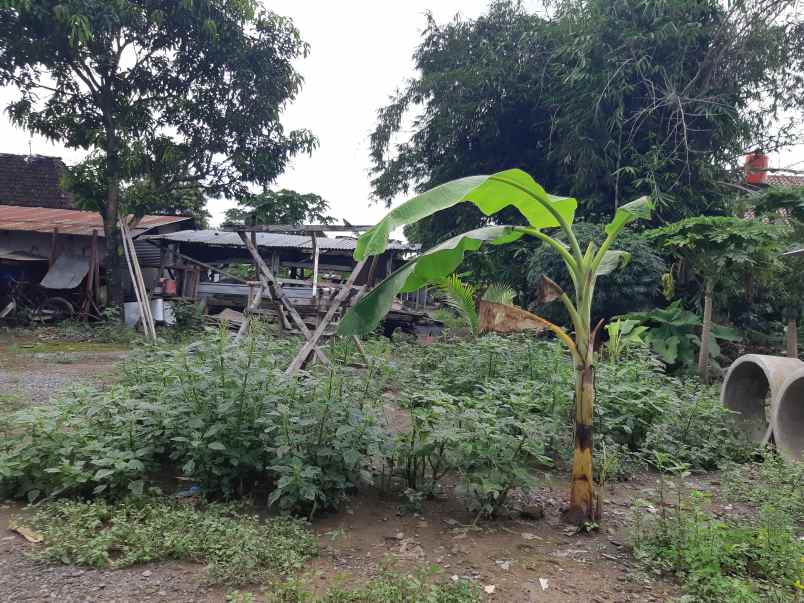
x=69 y=221
x=266 y=239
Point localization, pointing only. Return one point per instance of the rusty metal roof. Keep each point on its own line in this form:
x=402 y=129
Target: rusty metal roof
x=268 y=240
x=785 y=180
x=69 y=221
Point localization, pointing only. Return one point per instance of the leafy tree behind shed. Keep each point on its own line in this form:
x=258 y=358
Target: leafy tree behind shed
x=194 y=85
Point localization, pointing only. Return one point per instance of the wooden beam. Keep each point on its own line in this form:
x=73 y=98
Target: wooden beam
x=187 y=258
x=312 y=342
x=268 y=280
x=53 y=241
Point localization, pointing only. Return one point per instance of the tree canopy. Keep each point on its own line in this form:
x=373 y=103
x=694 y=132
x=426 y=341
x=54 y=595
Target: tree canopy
x=281 y=207
x=601 y=99
x=185 y=95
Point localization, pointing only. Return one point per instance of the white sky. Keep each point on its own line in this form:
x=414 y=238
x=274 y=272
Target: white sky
x=360 y=53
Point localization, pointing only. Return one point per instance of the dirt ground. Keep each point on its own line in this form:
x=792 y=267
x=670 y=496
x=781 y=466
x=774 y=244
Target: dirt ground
x=516 y=560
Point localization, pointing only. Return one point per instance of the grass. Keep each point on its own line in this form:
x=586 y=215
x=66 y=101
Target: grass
x=753 y=556
x=422 y=586
x=237 y=547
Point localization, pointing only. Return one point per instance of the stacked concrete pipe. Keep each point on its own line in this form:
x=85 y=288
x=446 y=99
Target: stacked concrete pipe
x=767 y=392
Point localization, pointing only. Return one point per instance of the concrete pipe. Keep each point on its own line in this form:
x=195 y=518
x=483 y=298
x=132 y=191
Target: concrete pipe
x=751 y=388
x=788 y=417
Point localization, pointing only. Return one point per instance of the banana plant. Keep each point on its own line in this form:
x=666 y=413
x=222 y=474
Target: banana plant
x=490 y=194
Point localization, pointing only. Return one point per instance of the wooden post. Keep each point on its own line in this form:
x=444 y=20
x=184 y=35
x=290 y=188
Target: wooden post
x=256 y=264
x=53 y=241
x=269 y=282
x=93 y=266
x=315 y=264
x=312 y=342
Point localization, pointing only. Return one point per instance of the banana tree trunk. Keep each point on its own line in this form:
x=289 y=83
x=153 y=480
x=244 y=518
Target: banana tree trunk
x=706 y=334
x=792 y=339
x=582 y=495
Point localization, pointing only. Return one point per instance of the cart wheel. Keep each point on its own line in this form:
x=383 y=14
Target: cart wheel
x=53 y=309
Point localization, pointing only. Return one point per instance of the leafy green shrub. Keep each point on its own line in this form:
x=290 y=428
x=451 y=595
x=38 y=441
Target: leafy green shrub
x=220 y=413
x=674 y=335
x=238 y=547
x=754 y=558
x=773 y=481
x=698 y=430
x=87 y=443
x=497 y=445
x=189 y=316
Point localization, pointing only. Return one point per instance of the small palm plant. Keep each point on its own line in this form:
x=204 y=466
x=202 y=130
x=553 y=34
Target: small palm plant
x=490 y=194
x=463 y=298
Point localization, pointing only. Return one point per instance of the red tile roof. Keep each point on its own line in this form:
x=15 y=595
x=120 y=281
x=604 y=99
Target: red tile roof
x=33 y=181
x=787 y=181
x=69 y=221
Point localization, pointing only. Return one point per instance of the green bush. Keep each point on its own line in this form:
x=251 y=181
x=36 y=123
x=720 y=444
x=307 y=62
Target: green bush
x=216 y=412
x=754 y=557
x=238 y=548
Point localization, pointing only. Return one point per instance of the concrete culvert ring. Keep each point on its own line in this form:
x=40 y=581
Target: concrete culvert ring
x=788 y=418
x=751 y=388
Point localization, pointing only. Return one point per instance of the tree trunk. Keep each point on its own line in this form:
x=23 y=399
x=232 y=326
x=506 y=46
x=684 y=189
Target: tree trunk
x=706 y=334
x=582 y=495
x=792 y=338
x=113 y=262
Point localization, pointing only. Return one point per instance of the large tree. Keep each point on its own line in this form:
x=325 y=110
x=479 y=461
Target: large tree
x=194 y=85
x=600 y=99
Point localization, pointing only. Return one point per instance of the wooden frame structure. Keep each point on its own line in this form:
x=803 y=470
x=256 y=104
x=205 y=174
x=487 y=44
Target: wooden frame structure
x=269 y=283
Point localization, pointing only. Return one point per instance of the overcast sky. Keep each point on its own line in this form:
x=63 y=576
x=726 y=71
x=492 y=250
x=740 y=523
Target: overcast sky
x=360 y=53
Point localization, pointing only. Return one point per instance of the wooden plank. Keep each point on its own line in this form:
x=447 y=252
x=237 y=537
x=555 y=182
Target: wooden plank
x=187 y=258
x=267 y=279
x=312 y=342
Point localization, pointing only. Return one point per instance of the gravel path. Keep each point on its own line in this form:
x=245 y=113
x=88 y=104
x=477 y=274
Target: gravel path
x=37 y=378
x=22 y=579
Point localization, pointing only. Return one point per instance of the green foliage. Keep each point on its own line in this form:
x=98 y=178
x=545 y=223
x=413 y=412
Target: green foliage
x=716 y=247
x=604 y=100
x=697 y=430
x=281 y=207
x=499 y=293
x=238 y=547
x=623 y=333
x=142 y=192
x=773 y=481
x=222 y=413
x=462 y=298
x=673 y=333
x=640 y=410
x=752 y=557
x=189 y=316
x=634 y=287
x=416 y=587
